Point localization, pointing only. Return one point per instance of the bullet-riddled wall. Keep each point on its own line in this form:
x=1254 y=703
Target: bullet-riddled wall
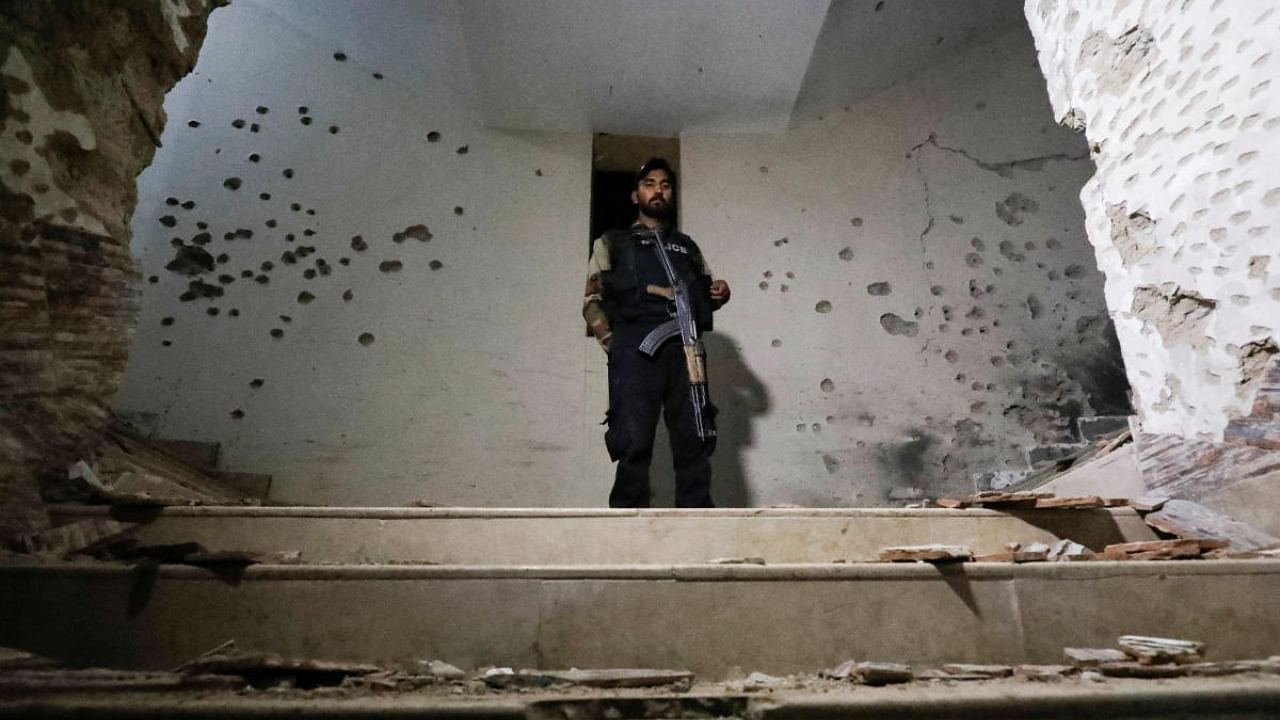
x=355 y=286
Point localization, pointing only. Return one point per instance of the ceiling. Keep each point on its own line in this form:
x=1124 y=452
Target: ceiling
x=652 y=67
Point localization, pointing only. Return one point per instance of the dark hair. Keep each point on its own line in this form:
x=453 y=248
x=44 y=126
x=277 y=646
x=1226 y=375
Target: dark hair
x=655 y=163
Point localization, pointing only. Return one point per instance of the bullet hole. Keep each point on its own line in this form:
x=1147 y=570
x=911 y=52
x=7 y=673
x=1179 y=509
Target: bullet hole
x=390 y=266
x=226 y=279
x=200 y=289
x=464 y=150
x=823 y=306
x=189 y=205
x=895 y=325
x=780 y=242
x=816 y=427
x=457 y=210
x=231 y=183
x=976 y=313
x=333 y=129
x=538 y=172
x=1034 y=307
x=234 y=312
x=856 y=222
x=764 y=285
x=977 y=244
x=1008 y=251
x=271 y=223
x=846 y=254
x=435 y=264
x=801 y=427
x=365 y=339
x=190 y=260
x=308 y=232
x=344 y=261
x=377 y=76
x=1053 y=244
x=433 y=136
x=879 y=6
x=166 y=321
x=935 y=290
x=267 y=266
x=938 y=41
x=305 y=250
x=764 y=170
x=303 y=110
x=790 y=275
x=202 y=225
x=827 y=385
x=305 y=119
x=255 y=157
x=783 y=288
x=261 y=110
x=287 y=173
x=193 y=123
x=1012 y=209
x=237 y=414
x=262 y=279
x=956 y=219
x=213 y=311
x=264 y=196
x=305 y=297
x=256 y=383
x=166 y=343
x=1073 y=271
x=340 y=57
x=879 y=288
x=277 y=333
x=286 y=318
x=973 y=260
x=243 y=233
x=168 y=221
x=246 y=274
x=952 y=357
x=768 y=273
x=311 y=211
x=171 y=201
x=775 y=343
x=237 y=123
x=288 y=257
x=347 y=295
x=295 y=206
x=309 y=274
x=419 y=232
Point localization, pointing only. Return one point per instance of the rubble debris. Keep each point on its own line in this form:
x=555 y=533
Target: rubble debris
x=1159 y=549
x=90 y=679
x=14 y=659
x=843 y=671
x=1230 y=667
x=1043 y=673
x=441 y=669
x=1088 y=501
x=1016 y=553
x=883 y=673
x=981 y=671
x=606 y=678
x=737 y=561
x=1133 y=669
x=1066 y=549
x=759 y=680
x=1153 y=650
x=264 y=669
x=1148 y=503
x=1093 y=657
x=80 y=537
x=1186 y=519
x=953 y=503
x=1002 y=499
x=243 y=557
x=925 y=553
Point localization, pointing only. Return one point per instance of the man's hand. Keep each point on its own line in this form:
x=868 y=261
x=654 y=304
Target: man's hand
x=719 y=292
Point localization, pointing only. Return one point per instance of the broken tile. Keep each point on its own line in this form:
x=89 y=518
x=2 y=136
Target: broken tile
x=1043 y=673
x=883 y=673
x=925 y=553
x=985 y=671
x=1093 y=657
x=1186 y=519
x=1140 y=670
x=1088 y=501
x=1156 y=650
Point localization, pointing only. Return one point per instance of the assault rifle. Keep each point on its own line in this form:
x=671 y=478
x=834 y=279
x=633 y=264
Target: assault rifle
x=685 y=325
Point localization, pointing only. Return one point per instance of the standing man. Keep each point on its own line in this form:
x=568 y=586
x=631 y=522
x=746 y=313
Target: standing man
x=629 y=294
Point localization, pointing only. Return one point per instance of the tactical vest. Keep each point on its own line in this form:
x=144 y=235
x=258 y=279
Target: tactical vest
x=634 y=265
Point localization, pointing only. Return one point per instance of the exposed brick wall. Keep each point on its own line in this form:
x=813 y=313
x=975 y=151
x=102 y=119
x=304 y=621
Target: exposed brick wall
x=82 y=84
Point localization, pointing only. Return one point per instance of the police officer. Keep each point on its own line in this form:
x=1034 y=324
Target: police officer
x=627 y=296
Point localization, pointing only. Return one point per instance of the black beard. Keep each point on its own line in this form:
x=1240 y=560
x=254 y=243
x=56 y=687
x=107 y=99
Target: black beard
x=661 y=213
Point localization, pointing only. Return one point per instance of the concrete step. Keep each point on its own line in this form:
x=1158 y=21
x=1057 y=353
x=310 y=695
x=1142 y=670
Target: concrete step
x=715 y=620
x=566 y=536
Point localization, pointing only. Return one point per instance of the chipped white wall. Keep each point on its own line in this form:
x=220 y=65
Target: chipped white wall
x=1177 y=100
x=471 y=390
x=914 y=296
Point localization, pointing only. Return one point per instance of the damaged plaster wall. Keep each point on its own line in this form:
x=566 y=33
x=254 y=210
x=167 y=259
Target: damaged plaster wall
x=354 y=286
x=912 y=286
x=81 y=89
x=1178 y=102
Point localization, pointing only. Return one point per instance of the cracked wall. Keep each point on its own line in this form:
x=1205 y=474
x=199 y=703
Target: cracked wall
x=1177 y=101
x=81 y=87
x=912 y=285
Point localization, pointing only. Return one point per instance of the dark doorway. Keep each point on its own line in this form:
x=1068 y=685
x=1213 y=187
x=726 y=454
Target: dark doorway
x=614 y=161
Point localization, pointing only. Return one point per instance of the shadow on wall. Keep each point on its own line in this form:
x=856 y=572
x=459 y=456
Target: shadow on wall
x=740 y=397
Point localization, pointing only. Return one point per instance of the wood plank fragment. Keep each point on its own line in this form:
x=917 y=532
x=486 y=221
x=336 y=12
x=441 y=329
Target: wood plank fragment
x=883 y=673
x=1186 y=519
x=1156 y=650
x=1093 y=657
x=925 y=553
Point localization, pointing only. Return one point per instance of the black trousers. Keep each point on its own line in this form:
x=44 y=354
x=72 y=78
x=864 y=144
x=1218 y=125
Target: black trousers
x=640 y=387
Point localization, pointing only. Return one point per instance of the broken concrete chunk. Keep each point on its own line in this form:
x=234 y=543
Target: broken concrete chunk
x=606 y=678
x=441 y=669
x=1155 y=650
x=1186 y=519
x=1067 y=550
x=1088 y=501
x=1141 y=670
x=953 y=503
x=1148 y=503
x=926 y=553
x=985 y=671
x=843 y=671
x=883 y=673
x=266 y=669
x=1160 y=549
x=761 y=680
x=1093 y=657
x=1043 y=673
